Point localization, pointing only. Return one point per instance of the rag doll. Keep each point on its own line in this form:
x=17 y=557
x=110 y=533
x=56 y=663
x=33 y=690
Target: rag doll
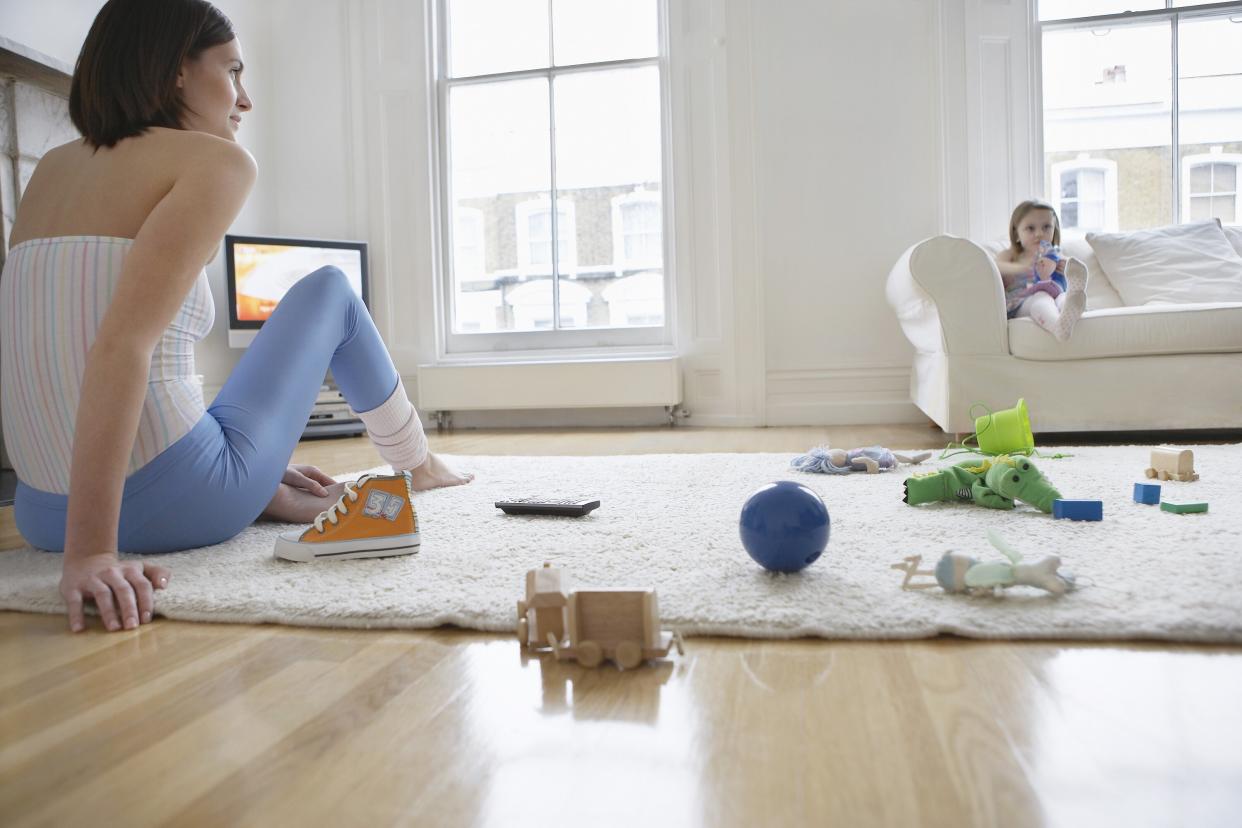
x=960 y=573
x=871 y=460
x=1047 y=250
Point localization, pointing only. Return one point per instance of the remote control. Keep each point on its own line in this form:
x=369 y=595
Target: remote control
x=546 y=506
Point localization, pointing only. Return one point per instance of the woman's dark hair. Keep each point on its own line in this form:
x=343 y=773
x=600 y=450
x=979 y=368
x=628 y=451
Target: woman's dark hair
x=125 y=80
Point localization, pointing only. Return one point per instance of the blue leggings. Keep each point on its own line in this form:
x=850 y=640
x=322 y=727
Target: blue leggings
x=214 y=481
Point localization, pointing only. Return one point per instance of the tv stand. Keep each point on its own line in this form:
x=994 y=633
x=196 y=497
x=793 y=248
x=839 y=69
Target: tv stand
x=332 y=416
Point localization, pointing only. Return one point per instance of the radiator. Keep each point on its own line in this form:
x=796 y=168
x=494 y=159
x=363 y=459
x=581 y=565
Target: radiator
x=583 y=384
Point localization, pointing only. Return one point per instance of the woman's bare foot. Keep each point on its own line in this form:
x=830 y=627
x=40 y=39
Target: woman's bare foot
x=292 y=505
x=433 y=473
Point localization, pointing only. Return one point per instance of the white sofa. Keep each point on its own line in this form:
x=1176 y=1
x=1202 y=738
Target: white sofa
x=1147 y=367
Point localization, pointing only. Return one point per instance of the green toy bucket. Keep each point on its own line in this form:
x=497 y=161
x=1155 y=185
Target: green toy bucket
x=1004 y=432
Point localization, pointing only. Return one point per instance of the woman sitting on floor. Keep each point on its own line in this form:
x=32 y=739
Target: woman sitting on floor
x=103 y=296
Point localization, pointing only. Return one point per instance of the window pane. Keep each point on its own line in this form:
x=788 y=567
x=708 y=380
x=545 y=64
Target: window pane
x=1062 y=9
x=590 y=31
x=1200 y=208
x=1069 y=185
x=1225 y=178
x=1210 y=118
x=1069 y=215
x=1201 y=178
x=1090 y=214
x=498 y=158
x=1091 y=185
x=1223 y=208
x=608 y=155
x=487 y=36
x=1108 y=96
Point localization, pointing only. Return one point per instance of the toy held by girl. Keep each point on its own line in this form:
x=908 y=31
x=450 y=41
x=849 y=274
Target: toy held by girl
x=1040 y=283
x=871 y=460
x=956 y=572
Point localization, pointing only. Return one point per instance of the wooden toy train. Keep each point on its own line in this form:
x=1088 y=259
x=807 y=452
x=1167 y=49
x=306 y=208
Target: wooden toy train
x=622 y=625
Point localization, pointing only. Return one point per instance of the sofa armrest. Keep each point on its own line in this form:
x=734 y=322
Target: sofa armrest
x=948 y=296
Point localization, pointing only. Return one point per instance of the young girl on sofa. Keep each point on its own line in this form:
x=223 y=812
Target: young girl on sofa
x=1030 y=288
x=103 y=296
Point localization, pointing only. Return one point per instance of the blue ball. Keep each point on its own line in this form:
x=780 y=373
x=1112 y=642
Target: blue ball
x=784 y=526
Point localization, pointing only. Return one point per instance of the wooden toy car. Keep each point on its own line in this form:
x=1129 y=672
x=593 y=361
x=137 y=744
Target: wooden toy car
x=622 y=625
x=1168 y=463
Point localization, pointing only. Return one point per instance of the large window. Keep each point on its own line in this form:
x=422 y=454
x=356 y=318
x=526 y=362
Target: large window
x=1142 y=105
x=542 y=103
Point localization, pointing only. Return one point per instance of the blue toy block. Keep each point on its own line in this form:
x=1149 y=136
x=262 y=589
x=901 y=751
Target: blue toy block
x=1078 y=509
x=1148 y=493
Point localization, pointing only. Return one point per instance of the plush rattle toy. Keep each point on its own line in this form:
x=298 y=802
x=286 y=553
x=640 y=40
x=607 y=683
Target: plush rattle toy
x=995 y=483
x=839 y=461
x=959 y=573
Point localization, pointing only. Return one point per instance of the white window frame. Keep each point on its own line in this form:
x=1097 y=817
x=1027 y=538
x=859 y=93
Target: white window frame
x=1104 y=165
x=1174 y=15
x=1223 y=158
x=540 y=344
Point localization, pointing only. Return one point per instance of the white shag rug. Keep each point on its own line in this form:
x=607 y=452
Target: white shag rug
x=670 y=521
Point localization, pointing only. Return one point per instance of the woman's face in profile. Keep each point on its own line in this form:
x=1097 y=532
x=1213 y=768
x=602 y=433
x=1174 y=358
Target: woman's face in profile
x=211 y=86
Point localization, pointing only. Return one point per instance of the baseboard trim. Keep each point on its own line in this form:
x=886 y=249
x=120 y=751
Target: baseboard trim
x=841 y=396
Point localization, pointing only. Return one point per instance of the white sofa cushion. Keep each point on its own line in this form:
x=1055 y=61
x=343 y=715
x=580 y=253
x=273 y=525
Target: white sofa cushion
x=1179 y=264
x=1100 y=291
x=1206 y=328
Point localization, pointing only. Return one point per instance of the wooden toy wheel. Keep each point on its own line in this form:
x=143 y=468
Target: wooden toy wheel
x=1164 y=475
x=1150 y=473
x=629 y=655
x=523 y=631
x=590 y=654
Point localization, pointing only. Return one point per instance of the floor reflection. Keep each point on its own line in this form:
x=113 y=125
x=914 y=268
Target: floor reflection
x=567 y=688
x=561 y=742
x=1118 y=726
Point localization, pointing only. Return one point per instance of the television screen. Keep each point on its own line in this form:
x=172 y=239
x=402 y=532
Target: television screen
x=261 y=270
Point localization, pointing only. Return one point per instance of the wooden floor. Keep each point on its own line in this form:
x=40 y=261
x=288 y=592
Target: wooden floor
x=200 y=724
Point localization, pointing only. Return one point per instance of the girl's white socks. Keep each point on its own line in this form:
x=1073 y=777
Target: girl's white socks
x=396 y=431
x=1075 y=301
x=1071 y=310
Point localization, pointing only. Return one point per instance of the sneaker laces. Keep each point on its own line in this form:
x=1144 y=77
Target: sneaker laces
x=339 y=509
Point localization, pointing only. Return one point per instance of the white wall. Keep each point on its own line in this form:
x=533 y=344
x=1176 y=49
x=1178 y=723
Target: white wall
x=54 y=27
x=809 y=153
x=845 y=121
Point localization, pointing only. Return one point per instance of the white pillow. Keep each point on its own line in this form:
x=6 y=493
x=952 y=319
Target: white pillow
x=1234 y=233
x=1179 y=264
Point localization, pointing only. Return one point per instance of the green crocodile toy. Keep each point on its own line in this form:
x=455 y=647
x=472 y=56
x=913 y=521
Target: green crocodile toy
x=995 y=483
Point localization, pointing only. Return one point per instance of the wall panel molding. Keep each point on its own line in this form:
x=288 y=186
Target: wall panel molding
x=990 y=141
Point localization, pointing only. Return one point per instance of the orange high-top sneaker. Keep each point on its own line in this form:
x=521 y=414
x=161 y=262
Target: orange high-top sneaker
x=374 y=518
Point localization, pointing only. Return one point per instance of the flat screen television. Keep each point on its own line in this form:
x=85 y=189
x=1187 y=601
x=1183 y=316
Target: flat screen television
x=262 y=269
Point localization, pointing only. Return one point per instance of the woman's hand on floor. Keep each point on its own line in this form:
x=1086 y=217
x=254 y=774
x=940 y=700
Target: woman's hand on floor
x=308 y=479
x=123 y=591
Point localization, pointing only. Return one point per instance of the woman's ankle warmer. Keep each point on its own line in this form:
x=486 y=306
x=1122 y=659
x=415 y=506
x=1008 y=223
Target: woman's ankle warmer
x=396 y=431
